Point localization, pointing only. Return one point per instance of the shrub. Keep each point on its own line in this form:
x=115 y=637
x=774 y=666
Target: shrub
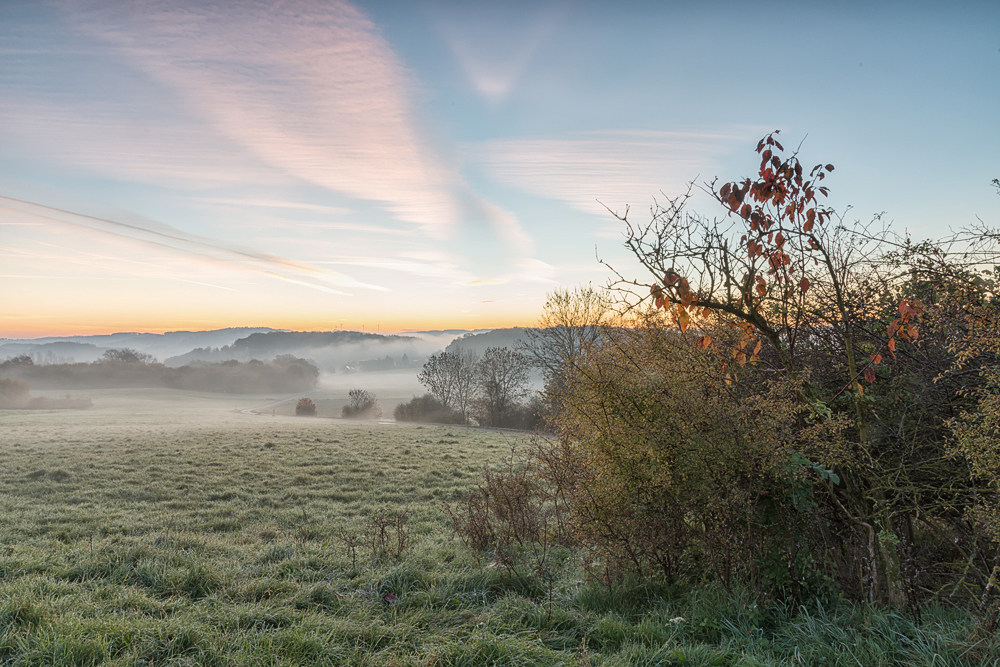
x=305 y=406
x=13 y=393
x=364 y=405
x=512 y=514
x=668 y=467
x=426 y=409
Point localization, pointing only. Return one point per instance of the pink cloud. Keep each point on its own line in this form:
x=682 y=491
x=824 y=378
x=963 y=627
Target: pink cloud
x=310 y=88
x=593 y=169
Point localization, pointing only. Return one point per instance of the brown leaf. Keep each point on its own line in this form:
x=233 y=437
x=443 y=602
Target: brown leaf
x=683 y=319
x=804 y=284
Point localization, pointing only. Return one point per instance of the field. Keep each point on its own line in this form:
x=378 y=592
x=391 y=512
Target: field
x=167 y=527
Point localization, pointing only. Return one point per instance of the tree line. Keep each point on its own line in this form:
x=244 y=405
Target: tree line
x=782 y=400
x=128 y=368
x=491 y=390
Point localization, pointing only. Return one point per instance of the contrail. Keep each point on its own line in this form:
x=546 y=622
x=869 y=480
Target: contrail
x=168 y=237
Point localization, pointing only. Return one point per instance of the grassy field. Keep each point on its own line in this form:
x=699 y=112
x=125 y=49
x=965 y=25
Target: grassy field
x=168 y=528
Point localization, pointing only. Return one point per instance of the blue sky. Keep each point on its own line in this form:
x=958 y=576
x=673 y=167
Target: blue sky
x=392 y=166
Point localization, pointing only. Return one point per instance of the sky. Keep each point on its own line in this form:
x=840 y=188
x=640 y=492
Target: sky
x=398 y=166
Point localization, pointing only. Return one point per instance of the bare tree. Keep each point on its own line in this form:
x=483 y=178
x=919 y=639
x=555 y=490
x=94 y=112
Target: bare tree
x=570 y=322
x=439 y=378
x=502 y=379
x=128 y=356
x=451 y=377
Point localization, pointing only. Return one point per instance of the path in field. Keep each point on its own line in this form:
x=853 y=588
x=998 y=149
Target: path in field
x=253 y=411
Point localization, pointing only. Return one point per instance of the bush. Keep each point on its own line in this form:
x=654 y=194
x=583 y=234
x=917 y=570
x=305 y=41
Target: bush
x=512 y=514
x=364 y=405
x=13 y=393
x=305 y=406
x=668 y=467
x=426 y=409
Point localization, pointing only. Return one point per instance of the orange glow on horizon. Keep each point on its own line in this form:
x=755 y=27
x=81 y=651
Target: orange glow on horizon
x=387 y=326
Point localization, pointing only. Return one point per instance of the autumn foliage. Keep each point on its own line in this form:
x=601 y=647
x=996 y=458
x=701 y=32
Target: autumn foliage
x=305 y=406
x=789 y=401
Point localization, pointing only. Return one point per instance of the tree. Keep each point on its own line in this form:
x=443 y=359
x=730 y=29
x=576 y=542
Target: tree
x=364 y=405
x=127 y=356
x=20 y=360
x=502 y=381
x=305 y=406
x=569 y=324
x=828 y=306
x=465 y=363
x=439 y=377
x=450 y=377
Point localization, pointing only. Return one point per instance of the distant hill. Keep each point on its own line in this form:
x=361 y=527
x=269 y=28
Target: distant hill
x=331 y=350
x=63 y=349
x=480 y=341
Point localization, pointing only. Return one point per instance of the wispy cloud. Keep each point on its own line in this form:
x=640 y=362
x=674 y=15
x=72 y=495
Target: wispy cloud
x=308 y=87
x=493 y=50
x=225 y=96
x=151 y=233
x=591 y=170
